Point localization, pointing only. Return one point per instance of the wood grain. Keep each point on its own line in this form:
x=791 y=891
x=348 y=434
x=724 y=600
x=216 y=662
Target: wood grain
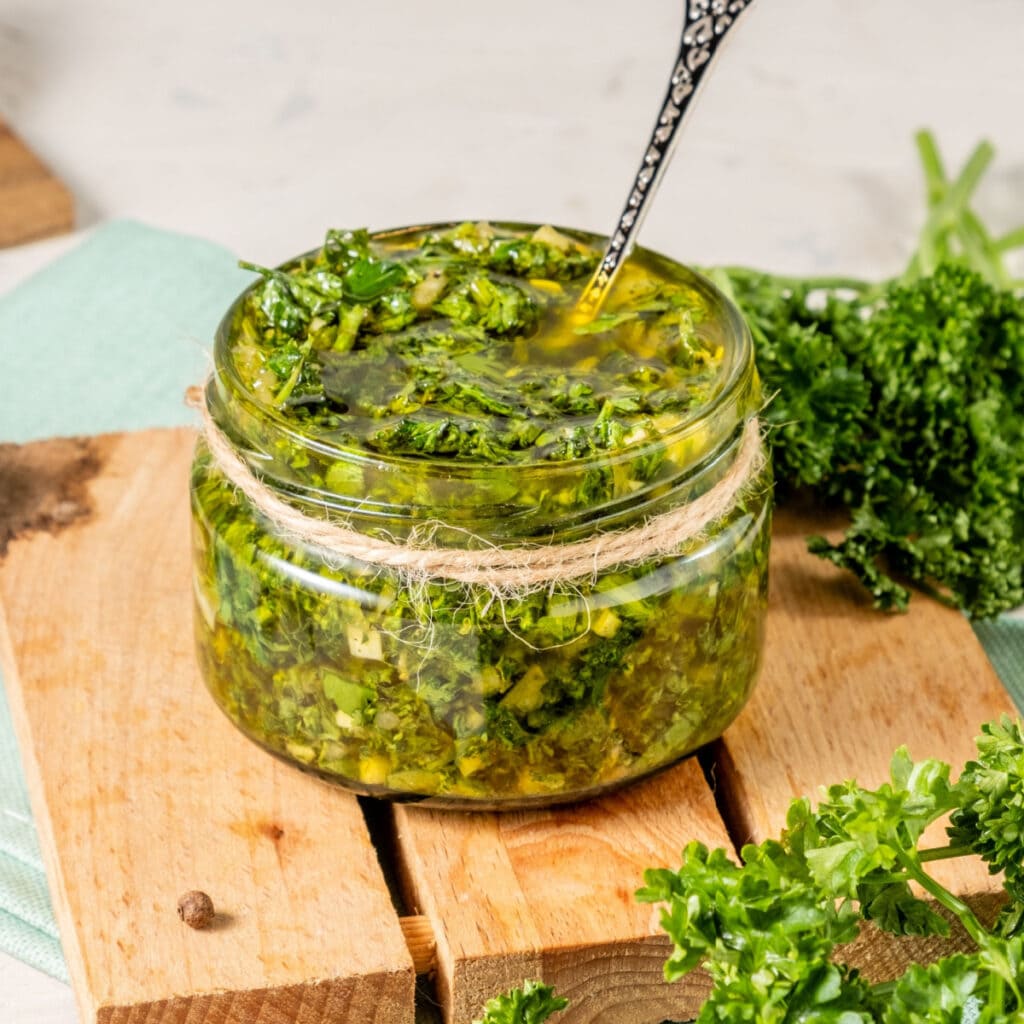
x=33 y=202
x=143 y=790
x=550 y=894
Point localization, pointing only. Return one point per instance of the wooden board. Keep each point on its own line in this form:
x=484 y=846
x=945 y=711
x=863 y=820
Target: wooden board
x=549 y=894
x=33 y=202
x=142 y=789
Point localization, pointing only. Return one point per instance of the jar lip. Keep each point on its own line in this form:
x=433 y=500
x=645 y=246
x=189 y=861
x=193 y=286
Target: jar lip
x=739 y=368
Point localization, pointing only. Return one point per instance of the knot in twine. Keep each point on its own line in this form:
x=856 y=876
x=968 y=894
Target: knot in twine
x=504 y=571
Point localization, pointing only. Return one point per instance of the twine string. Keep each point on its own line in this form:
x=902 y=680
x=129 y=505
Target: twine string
x=504 y=571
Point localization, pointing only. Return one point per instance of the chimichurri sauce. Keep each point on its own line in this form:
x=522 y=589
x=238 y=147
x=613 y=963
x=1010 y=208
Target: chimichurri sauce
x=439 y=375
x=462 y=344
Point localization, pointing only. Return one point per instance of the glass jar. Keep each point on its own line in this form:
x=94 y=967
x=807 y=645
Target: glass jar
x=451 y=693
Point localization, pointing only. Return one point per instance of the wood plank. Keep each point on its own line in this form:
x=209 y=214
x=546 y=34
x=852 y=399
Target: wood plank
x=141 y=787
x=842 y=686
x=550 y=894
x=33 y=202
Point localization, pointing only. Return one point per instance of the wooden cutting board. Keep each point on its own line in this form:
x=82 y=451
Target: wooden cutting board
x=142 y=789
x=33 y=202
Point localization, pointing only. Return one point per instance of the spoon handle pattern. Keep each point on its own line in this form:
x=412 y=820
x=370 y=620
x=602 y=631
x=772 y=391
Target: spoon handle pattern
x=705 y=25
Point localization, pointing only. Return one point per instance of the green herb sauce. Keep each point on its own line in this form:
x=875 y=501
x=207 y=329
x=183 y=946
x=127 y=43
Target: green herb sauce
x=416 y=355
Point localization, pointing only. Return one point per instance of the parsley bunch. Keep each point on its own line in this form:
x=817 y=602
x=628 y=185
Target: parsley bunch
x=769 y=928
x=903 y=402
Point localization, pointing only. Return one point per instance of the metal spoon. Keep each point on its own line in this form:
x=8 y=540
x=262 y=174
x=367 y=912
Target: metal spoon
x=705 y=24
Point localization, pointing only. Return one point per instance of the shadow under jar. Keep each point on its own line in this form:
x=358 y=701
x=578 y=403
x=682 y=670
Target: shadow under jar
x=427 y=387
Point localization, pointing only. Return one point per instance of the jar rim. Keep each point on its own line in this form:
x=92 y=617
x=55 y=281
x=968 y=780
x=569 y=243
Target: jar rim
x=723 y=310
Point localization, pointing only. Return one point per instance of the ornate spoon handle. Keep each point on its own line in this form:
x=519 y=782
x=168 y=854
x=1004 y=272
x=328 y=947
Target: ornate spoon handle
x=705 y=24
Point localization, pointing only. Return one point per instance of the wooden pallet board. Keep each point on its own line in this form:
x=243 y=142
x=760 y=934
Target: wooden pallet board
x=34 y=203
x=143 y=789
x=551 y=896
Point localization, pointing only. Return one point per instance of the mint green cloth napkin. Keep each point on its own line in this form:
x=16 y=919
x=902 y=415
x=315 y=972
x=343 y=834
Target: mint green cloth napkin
x=113 y=333
x=1003 y=640
x=106 y=338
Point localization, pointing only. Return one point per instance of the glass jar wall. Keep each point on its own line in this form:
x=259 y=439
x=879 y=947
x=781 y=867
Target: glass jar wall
x=464 y=694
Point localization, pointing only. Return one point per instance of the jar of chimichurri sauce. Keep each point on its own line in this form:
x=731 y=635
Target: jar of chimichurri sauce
x=429 y=390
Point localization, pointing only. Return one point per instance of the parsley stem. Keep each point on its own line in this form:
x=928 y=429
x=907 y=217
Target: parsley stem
x=981 y=249
x=949 y=215
x=996 y=953
x=943 y=853
x=945 y=898
x=995 y=990
x=931 y=164
x=289 y=385
x=963 y=188
x=1011 y=240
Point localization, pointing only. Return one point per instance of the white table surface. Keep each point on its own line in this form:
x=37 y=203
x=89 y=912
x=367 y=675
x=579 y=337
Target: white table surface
x=258 y=124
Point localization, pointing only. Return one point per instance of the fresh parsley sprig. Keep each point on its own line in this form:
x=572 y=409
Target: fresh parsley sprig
x=770 y=928
x=767 y=928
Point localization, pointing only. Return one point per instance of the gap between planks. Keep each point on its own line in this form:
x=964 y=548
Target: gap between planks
x=419 y=937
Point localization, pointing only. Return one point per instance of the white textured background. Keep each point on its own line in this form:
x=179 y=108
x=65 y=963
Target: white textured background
x=258 y=124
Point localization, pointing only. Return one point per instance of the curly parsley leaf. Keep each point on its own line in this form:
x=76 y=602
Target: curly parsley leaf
x=990 y=818
x=941 y=993
x=770 y=929
x=761 y=929
x=534 y=1003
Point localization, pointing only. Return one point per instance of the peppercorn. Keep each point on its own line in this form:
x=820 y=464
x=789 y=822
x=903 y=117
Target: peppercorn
x=195 y=908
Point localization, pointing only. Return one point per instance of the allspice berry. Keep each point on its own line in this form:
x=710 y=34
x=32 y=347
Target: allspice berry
x=195 y=908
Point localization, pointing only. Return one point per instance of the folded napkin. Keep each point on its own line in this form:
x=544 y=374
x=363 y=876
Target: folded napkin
x=109 y=336
x=27 y=928
x=106 y=338
x=1003 y=640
